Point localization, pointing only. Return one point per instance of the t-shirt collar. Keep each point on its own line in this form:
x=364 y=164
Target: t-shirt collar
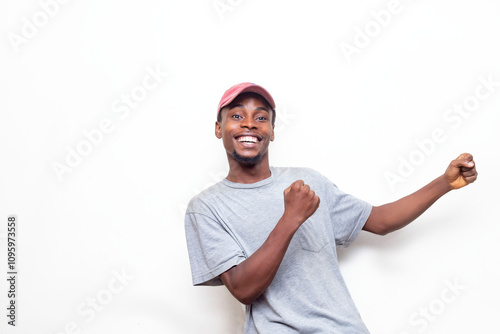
x=252 y=185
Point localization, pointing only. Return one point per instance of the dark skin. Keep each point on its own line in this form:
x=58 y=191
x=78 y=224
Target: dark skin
x=249 y=115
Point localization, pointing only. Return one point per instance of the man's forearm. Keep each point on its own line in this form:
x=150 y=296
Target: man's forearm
x=393 y=216
x=248 y=280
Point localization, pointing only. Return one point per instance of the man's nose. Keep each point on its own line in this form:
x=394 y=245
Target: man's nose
x=249 y=122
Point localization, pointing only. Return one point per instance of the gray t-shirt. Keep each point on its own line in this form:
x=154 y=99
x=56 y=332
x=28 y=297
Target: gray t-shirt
x=228 y=222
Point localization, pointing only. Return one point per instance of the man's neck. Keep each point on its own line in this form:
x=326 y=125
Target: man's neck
x=242 y=173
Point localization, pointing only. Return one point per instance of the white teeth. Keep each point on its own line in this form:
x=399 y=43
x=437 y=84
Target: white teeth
x=247 y=139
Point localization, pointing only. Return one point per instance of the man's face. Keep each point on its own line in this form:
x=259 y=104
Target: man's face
x=246 y=129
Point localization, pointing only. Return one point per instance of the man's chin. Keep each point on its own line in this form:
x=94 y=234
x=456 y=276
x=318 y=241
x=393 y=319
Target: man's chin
x=247 y=160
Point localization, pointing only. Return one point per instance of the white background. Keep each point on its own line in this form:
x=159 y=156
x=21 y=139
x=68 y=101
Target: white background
x=354 y=118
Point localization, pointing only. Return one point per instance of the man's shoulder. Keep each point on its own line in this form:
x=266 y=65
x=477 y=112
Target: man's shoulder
x=202 y=201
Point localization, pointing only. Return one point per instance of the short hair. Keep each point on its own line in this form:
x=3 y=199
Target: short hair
x=273 y=112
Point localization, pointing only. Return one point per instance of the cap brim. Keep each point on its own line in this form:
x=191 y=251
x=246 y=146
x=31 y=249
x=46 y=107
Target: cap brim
x=236 y=90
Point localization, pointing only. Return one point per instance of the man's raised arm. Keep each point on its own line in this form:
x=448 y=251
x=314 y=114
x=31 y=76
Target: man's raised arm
x=393 y=216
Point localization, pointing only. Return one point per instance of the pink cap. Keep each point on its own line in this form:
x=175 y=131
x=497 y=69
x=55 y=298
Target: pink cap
x=245 y=87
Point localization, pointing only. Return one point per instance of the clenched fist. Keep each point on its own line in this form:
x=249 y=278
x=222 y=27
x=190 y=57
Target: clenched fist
x=300 y=202
x=461 y=171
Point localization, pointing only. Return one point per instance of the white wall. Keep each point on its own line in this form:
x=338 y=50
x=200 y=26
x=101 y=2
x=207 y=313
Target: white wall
x=101 y=248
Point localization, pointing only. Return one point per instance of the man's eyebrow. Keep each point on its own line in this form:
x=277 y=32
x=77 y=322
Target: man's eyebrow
x=236 y=106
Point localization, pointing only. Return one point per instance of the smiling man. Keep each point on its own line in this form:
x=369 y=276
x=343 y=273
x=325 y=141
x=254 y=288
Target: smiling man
x=270 y=234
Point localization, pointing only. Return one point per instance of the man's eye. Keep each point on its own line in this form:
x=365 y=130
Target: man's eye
x=262 y=118
x=236 y=116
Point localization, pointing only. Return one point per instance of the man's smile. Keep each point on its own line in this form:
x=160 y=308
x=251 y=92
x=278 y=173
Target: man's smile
x=248 y=140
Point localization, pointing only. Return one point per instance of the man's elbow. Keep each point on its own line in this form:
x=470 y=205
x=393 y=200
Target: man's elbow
x=246 y=300
x=241 y=293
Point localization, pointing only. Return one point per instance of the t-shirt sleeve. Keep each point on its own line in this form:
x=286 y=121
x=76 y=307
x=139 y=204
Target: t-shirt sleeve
x=348 y=214
x=212 y=250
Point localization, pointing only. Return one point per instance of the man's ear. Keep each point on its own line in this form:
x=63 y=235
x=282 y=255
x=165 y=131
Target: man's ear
x=272 y=134
x=218 y=130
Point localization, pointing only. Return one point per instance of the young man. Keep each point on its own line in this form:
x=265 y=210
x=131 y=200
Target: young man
x=270 y=234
